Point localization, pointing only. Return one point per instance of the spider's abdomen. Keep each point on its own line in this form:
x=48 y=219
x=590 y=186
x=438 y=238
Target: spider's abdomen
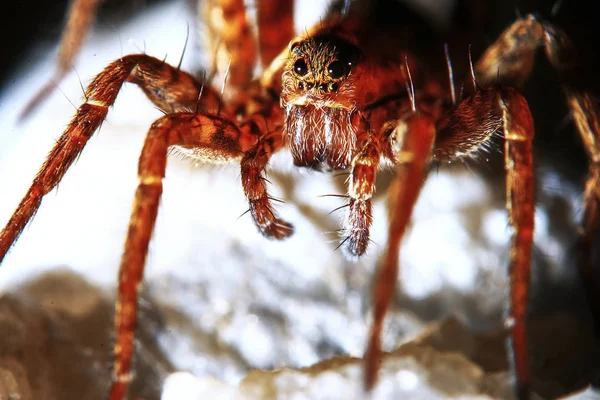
x=320 y=135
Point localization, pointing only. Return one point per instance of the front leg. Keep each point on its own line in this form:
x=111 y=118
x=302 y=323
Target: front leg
x=254 y=183
x=167 y=87
x=412 y=158
x=510 y=59
x=587 y=120
x=462 y=132
x=230 y=43
x=520 y=203
x=213 y=139
x=359 y=215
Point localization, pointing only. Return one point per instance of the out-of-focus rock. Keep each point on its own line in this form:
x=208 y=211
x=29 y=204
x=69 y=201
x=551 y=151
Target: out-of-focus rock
x=587 y=394
x=446 y=360
x=56 y=343
x=431 y=366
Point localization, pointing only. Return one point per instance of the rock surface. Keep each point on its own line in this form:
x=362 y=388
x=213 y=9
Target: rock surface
x=56 y=345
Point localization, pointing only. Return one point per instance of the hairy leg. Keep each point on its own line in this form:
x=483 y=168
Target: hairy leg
x=587 y=119
x=359 y=217
x=275 y=20
x=167 y=87
x=468 y=126
x=510 y=59
x=413 y=157
x=461 y=131
x=230 y=42
x=80 y=17
x=585 y=111
x=254 y=183
x=520 y=203
x=214 y=138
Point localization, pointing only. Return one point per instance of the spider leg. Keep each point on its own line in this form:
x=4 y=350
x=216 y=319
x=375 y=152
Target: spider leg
x=359 y=216
x=511 y=57
x=414 y=155
x=520 y=203
x=586 y=115
x=216 y=138
x=275 y=20
x=254 y=183
x=514 y=53
x=230 y=42
x=587 y=120
x=461 y=131
x=511 y=60
x=80 y=17
x=167 y=87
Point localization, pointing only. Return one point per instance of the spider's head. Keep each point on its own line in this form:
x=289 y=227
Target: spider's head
x=319 y=73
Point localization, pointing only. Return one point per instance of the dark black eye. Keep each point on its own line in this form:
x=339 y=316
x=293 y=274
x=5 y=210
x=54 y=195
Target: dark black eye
x=336 y=69
x=300 y=67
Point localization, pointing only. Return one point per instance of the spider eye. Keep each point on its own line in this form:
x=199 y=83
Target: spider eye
x=300 y=67
x=336 y=69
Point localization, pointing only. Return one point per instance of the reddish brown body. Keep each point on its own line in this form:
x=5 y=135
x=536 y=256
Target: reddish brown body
x=355 y=91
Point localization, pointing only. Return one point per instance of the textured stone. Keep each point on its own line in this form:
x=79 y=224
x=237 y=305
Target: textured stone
x=56 y=343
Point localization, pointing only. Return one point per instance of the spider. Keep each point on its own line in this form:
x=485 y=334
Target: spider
x=337 y=98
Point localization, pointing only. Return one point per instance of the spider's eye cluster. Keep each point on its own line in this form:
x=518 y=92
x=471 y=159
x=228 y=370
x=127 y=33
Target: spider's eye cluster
x=337 y=69
x=300 y=67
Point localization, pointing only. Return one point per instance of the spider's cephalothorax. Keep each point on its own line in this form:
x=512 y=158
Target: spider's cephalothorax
x=341 y=88
x=319 y=98
x=318 y=66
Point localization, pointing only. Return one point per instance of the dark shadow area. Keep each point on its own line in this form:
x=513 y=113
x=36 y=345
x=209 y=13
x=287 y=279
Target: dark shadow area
x=37 y=25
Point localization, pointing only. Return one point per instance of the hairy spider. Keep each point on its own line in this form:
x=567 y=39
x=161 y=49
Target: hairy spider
x=337 y=98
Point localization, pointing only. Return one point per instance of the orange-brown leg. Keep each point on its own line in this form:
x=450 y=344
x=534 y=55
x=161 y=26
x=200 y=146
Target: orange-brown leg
x=510 y=59
x=167 y=87
x=230 y=42
x=520 y=203
x=275 y=20
x=586 y=114
x=413 y=157
x=254 y=183
x=216 y=139
x=587 y=119
x=359 y=216
x=80 y=17
x=463 y=130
